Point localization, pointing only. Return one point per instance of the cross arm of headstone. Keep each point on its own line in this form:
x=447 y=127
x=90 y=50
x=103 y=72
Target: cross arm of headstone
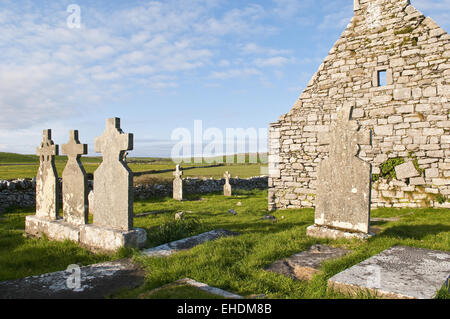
x=74 y=148
x=47 y=147
x=178 y=172
x=113 y=139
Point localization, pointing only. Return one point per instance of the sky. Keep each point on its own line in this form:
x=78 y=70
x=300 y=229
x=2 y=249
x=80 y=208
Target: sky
x=160 y=65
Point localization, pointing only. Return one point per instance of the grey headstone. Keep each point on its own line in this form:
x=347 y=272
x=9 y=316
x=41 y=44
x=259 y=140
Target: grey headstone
x=75 y=183
x=178 y=184
x=47 y=190
x=344 y=180
x=113 y=180
x=227 y=191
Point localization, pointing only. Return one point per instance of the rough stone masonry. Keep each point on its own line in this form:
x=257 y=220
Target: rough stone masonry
x=409 y=113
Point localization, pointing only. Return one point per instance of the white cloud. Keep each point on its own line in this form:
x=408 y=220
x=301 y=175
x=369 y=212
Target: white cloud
x=253 y=48
x=234 y=73
x=48 y=71
x=291 y=8
x=272 y=62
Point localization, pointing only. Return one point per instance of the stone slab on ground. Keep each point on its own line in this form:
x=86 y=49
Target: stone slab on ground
x=97 y=282
x=187 y=243
x=304 y=265
x=196 y=284
x=399 y=272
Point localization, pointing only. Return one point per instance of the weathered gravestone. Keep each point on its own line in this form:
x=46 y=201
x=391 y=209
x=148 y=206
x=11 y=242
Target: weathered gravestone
x=178 y=184
x=343 y=183
x=398 y=272
x=47 y=189
x=113 y=180
x=75 y=183
x=113 y=200
x=113 y=189
x=227 y=191
x=46 y=221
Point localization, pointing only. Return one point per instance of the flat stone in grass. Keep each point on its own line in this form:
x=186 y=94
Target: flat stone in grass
x=397 y=273
x=187 y=243
x=97 y=281
x=192 y=283
x=304 y=265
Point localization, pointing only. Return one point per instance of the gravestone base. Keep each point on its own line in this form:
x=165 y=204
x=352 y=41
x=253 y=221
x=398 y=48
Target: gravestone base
x=90 y=236
x=332 y=233
x=54 y=229
x=103 y=239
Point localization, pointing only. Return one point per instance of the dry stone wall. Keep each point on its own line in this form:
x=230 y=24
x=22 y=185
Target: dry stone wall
x=409 y=115
x=22 y=192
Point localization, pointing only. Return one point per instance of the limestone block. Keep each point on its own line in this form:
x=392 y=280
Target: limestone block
x=406 y=170
x=431 y=172
x=430 y=91
x=103 y=239
x=53 y=229
x=417 y=181
x=384 y=130
x=402 y=94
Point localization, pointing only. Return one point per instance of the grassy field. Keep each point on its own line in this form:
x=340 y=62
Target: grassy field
x=235 y=264
x=14 y=166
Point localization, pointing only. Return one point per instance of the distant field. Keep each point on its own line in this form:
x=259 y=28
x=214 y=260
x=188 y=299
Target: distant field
x=14 y=166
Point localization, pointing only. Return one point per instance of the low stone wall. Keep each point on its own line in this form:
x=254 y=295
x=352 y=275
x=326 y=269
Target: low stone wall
x=200 y=186
x=399 y=194
x=21 y=192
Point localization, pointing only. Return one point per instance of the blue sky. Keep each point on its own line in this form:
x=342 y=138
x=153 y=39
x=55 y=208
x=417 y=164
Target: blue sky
x=160 y=65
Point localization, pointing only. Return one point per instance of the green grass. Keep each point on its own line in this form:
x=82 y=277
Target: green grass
x=14 y=166
x=235 y=264
x=179 y=292
x=21 y=257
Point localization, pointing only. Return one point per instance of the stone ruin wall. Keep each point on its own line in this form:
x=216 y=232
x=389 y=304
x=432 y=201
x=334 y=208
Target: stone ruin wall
x=409 y=116
x=22 y=192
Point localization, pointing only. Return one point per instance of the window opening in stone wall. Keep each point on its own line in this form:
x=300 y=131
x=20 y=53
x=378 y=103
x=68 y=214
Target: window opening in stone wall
x=382 y=78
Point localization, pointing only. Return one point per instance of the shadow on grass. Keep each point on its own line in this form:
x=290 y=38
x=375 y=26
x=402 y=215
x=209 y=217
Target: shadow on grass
x=414 y=231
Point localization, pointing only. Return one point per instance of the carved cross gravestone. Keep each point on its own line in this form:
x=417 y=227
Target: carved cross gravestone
x=47 y=190
x=227 y=187
x=113 y=180
x=178 y=184
x=343 y=182
x=75 y=183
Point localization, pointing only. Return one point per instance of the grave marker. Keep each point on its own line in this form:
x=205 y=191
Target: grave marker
x=47 y=190
x=75 y=183
x=178 y=184
x=343 y=183
x=113 y=180
x=227 y=191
